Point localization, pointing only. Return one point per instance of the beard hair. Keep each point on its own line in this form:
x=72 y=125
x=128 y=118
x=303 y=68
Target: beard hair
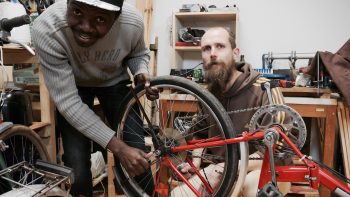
x=218 y=79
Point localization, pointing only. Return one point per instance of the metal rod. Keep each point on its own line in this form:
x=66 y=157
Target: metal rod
x=293 y=57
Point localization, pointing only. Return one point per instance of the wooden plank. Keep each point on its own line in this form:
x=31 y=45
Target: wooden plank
x=177 y=97
x=38 y=125
x=110 y=165
x=320 y=124
x=154 y=56
x=207 y=16
x=343 y=140
x=146 y=9
x=303 y=189
x=346 y=122
x=310 y=101
x=304 y=91
x=309 y=110
x=347 y=137
x=14 y=55
x=47 y=109
x=329 y=135
x=148 y=20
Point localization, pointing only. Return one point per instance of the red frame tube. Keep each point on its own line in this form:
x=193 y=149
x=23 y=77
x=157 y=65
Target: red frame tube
x=212 y=142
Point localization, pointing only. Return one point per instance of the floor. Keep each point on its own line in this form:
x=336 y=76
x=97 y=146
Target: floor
x=100 y=190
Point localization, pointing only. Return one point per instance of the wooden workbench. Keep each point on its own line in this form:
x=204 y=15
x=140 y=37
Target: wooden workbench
x=314 y=106
x=319 y=108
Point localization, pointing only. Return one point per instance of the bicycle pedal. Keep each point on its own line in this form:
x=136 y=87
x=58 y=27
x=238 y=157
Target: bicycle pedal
x=269 y=190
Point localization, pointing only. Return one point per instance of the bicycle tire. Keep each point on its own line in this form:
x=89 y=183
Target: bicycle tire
x=24 y=144
x=129 y=186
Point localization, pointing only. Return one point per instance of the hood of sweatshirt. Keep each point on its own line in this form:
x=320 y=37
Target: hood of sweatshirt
x=244 y=81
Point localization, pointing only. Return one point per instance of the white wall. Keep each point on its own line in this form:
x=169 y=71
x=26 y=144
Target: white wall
x=266 y=25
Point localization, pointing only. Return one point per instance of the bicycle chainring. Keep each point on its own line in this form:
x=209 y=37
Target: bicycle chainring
x=290 y=120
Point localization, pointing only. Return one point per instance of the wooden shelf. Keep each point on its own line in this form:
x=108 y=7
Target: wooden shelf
x=305 y=91
x=206 y=16
x=38 y=125
x=188 y=48
x=190 y=55
x=17 y=55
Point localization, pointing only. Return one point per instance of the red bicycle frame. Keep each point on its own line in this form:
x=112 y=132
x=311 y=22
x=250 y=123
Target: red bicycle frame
x=311 y=172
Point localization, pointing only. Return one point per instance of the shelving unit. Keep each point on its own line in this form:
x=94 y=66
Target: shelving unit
x=46 y=126
x=189 y=56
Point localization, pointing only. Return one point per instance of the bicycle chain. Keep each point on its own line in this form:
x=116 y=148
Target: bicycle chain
x=246 y=109
x=230 y=112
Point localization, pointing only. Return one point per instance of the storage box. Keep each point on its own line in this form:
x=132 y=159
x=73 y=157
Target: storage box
x=25 y=74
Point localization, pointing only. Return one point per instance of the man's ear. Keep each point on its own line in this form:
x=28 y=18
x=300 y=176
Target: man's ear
x=236 y=53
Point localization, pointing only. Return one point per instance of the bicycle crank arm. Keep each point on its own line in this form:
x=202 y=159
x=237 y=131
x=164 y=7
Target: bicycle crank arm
x=270 y=138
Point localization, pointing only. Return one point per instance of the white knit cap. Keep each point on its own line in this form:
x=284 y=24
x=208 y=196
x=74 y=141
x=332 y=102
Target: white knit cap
x=112 y=5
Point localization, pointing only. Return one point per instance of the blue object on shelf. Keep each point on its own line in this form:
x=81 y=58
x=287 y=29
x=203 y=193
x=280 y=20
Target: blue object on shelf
x=275 y=76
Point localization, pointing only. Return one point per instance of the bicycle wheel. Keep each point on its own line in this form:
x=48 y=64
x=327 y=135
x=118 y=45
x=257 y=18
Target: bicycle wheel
x=20 y=143
x=176 y=127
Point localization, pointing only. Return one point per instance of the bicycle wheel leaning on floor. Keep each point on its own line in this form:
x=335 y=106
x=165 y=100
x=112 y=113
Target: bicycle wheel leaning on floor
x=20 y=143
x=172 y=128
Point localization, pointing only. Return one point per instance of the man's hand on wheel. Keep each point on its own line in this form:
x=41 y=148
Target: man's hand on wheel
x=152 y=93
x=134 y=160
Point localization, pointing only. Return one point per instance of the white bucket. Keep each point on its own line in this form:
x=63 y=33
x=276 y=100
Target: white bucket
x=10 y=10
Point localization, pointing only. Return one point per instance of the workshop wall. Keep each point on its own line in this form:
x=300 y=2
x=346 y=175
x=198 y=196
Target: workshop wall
x=269 y=25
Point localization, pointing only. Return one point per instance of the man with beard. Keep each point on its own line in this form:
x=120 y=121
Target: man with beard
x=85 y=48
x=237 y=86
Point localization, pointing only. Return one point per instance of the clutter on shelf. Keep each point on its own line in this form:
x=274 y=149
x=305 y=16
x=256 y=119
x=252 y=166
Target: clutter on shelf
x=205 y=8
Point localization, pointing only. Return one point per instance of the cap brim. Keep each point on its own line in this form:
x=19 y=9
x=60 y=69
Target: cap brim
x=101 y=4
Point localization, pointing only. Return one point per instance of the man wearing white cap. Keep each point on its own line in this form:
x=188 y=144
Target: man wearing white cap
x=85 y=48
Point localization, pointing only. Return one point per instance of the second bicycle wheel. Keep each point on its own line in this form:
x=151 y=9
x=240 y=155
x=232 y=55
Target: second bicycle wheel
x=185 y=114
x=20 y=143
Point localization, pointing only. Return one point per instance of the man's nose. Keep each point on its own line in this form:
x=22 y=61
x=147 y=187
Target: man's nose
x=86 y=26
x=213 y=54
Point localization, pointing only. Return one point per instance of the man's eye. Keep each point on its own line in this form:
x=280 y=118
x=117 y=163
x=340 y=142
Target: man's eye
x=76 y=12
x=204 y=49
x=100 y=20
x=220 y=46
